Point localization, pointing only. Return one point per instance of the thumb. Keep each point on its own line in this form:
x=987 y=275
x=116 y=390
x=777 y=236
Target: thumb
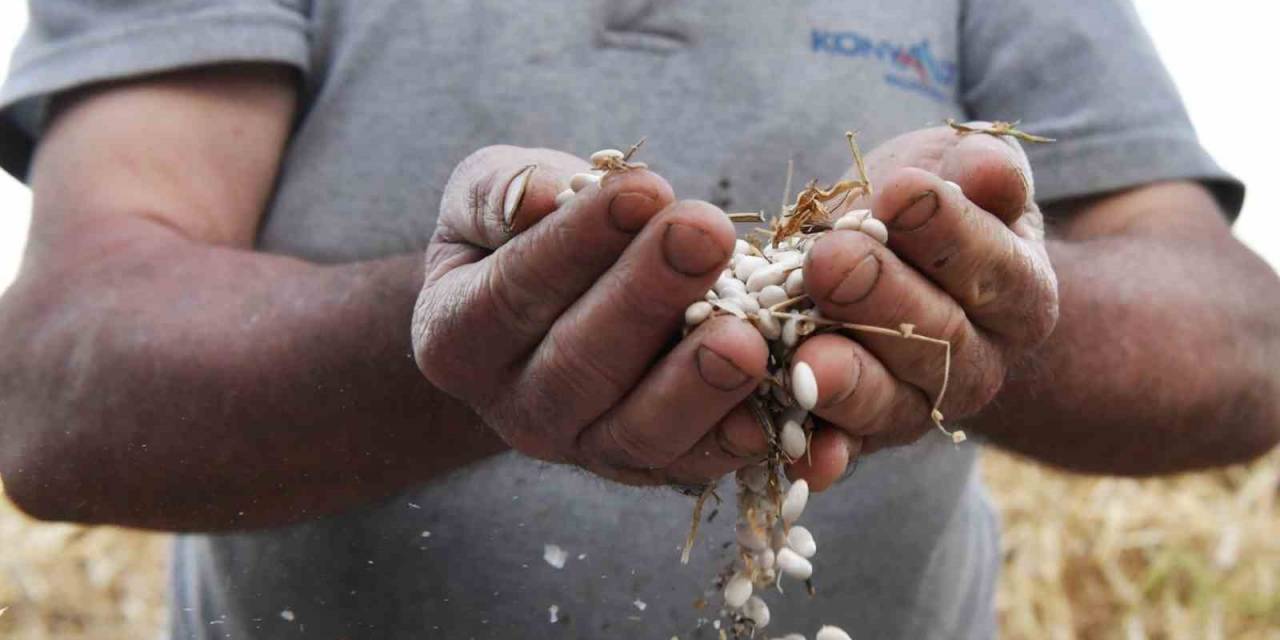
x=499 y=191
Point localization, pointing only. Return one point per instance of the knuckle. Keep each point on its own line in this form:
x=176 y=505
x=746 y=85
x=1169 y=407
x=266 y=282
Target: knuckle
x=570 y=366
x=643 y=452
x=515 y=299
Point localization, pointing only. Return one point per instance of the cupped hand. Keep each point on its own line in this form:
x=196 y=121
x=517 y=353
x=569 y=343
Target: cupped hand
x=965 y=262
x=555 y=324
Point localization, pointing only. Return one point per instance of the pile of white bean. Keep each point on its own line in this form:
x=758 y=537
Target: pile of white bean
x=765 y=285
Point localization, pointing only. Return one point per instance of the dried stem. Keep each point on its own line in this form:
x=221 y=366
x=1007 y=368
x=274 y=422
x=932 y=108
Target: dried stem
x=709 y=491
x=997 y=129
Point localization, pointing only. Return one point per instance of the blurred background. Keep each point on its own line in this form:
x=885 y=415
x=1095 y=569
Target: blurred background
x=1195 y=556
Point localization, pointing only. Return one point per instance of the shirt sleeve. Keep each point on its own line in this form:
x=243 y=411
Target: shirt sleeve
x=1086 y=73
x=72 y=43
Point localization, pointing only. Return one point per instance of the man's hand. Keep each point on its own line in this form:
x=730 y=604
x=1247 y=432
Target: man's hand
x=966 y=264
x=558 y=337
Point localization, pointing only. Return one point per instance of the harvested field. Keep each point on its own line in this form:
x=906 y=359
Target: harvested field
x=1190 y=557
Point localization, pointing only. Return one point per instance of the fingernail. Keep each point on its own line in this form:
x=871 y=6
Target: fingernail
x=855 y=376
x=515 y=195
x=916 y=212
x=855 y=453
x=629 y=211
x=857 y=283
x=719 y=371
x=691 y=250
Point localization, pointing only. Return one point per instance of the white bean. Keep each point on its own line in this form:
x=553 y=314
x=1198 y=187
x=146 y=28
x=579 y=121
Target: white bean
x=792 y=564
x=794 y=502
x=953 y=186
x=741 y=247
x=581 y=181
x=789 y=335
x=775 y=273
x=804 y=385
x=800 y=540
x=747 y=302
x=847 y=223
x=697 y=313
x=726 y=286
x=793 y=440
x=795 y=283
x=771 y=295
x=605 y=155
x=758 y=611
x=737 y=591
x=744 y=266
x=876 y=229
x=767 y=325
x=829 y=632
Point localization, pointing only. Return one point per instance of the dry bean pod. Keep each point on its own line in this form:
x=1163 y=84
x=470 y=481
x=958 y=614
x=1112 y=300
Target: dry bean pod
x=750 y=537
x=604 y=156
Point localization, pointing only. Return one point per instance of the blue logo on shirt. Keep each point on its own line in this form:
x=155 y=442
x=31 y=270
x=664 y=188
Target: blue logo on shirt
x=912 y=67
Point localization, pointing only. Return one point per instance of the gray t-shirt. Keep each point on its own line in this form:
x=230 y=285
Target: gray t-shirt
x=397 y=92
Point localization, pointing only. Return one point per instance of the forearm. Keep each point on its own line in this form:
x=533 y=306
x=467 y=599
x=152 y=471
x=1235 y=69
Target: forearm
x=186 y=386
x=1163 y=359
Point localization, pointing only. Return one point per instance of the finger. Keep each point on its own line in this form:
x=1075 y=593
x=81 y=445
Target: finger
x=737 y=441
x=855 y=279
x=501 y=190
x=612 y=335
x=992 y=171
x=496 y=310
x=856 y=392
x=687 y=393
x=831 y=451
x=1004 y=283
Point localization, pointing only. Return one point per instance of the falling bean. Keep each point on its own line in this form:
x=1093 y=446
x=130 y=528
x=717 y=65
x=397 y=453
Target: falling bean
x=800 y=540
x=737 y=591
x=757 y=611
x=792 y=564
x=829 y=632
x=794 y=502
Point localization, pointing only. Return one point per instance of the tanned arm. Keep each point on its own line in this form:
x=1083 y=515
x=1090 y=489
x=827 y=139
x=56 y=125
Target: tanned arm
x=158 y=372
x=1166 y=355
